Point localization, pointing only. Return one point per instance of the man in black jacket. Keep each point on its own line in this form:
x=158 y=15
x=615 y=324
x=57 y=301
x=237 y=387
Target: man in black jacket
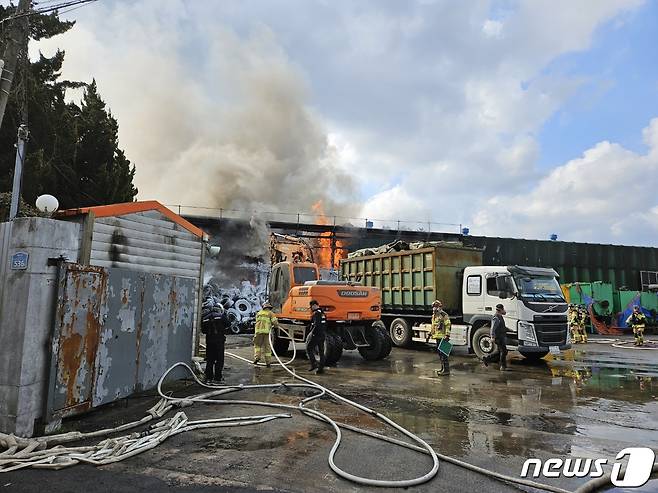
x=499 y=335
x=316 y=337
x=213 y=325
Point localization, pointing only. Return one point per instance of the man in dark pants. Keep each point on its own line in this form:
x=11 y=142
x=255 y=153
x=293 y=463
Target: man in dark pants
x=499 y=335
x=315 y=339
x=213 y=325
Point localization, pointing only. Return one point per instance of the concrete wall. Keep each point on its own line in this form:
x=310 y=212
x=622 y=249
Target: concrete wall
x=26 y=317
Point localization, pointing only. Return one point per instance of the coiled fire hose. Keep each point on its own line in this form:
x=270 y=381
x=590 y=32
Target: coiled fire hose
x=48 y=453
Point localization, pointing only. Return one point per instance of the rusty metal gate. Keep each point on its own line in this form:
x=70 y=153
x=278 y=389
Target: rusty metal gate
x=115 y=332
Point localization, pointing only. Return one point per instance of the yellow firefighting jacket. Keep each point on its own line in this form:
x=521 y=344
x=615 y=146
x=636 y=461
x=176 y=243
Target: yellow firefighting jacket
x=265 y=320
x=637 y=320
x=440 y=325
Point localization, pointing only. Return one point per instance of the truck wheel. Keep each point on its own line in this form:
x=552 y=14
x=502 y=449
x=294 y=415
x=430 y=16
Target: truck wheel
x=333 y=349
x=483 y=344
x=400 y=332
x=281 y=345
x=377 y=342
x=534 y=356
x=386 y=350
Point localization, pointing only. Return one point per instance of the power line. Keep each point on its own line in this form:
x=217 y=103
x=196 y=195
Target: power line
x=71 y=9
x=50 y=8
x=70 y=182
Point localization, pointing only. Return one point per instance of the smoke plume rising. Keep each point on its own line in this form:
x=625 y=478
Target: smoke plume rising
x=224 y=122
x=246 y=139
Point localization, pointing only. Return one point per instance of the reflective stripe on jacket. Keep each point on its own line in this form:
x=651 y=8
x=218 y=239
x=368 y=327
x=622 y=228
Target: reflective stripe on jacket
x=265 y=320
x=440 y=325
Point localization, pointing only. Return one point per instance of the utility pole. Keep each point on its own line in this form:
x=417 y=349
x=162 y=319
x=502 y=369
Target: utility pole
x=18 y=171
x=15 y=43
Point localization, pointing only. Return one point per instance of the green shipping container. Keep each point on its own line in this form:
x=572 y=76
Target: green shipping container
x=627 y=299
x=600 y=292
x=649 y=301
x=411 y=280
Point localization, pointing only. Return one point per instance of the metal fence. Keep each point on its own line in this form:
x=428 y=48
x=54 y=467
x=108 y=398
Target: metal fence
x=315 y=218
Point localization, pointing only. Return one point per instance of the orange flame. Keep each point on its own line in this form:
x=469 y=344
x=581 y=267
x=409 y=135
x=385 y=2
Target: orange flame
x=329 y=250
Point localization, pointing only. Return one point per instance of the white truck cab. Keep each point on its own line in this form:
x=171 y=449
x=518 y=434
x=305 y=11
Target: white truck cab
x=536 y=311
x=536 y=317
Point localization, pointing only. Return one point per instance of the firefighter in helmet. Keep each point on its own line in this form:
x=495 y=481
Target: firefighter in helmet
x=582 y=323
x=440 y=330
x=265 y=320
x=572 y=318
x=638 y=322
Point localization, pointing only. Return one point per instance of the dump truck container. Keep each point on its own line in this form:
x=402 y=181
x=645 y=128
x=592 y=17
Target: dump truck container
x=411 y=280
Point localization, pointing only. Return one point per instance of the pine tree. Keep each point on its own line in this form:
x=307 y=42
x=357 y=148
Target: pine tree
x=102 y=168
x=73 y=151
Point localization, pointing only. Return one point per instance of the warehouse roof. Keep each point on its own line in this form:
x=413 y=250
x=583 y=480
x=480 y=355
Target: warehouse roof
x=133 y=207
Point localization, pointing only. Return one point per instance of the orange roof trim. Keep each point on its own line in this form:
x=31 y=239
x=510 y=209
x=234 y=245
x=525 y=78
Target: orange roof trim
x=133 y=207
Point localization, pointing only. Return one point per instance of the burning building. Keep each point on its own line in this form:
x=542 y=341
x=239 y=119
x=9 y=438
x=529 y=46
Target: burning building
x=238 y=277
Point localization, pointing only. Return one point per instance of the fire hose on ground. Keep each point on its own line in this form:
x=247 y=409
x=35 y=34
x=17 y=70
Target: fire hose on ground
x=48 y=453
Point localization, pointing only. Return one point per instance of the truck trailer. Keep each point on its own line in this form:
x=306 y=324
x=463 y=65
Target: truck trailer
x=410 y=280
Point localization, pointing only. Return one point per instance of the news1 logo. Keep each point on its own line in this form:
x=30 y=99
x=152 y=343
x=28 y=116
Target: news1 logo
x=637 y=472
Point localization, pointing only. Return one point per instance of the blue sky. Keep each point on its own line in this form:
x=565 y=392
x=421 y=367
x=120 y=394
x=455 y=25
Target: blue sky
x=514 y=118
x=620 y=94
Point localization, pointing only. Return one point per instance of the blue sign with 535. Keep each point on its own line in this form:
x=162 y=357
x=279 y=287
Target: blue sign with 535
x=19 y=261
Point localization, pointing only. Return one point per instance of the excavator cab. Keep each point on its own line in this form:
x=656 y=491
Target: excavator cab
x=352 y=310
x=286 y=275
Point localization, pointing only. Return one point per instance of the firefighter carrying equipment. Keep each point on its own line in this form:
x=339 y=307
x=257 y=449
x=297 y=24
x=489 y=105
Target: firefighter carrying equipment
x=638 y=322
x=440 y=325
x=440 y=331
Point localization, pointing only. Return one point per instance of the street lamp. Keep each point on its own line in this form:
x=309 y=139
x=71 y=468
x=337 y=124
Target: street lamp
x=47 y=204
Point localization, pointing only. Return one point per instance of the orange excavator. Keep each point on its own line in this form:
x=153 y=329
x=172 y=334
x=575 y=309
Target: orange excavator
x=352 y=310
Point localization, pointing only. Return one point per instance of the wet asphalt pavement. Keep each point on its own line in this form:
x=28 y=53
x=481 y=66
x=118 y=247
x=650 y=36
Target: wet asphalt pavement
x=590 y=402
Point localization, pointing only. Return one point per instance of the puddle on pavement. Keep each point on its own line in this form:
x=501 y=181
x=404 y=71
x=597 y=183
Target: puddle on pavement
x=556 y=407
x=629 y=382
x=580 y=404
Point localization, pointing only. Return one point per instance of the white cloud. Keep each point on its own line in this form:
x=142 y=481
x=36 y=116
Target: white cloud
x=387 y=207
x=433 y=108
x=608 y=195
x=492 y=28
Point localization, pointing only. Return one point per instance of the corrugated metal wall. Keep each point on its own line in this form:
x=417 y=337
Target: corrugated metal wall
x=575 y=262
x=148 y=242
x=116 y=332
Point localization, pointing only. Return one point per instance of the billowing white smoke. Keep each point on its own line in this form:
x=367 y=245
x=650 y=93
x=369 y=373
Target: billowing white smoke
x=209 y=117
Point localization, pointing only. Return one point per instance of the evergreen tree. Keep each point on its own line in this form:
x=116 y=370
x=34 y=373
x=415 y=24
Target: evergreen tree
x=102 y=168
x=73 y=150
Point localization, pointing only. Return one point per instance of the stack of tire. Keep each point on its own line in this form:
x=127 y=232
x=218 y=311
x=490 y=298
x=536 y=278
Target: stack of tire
x=211 y=309
x=241 y=313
